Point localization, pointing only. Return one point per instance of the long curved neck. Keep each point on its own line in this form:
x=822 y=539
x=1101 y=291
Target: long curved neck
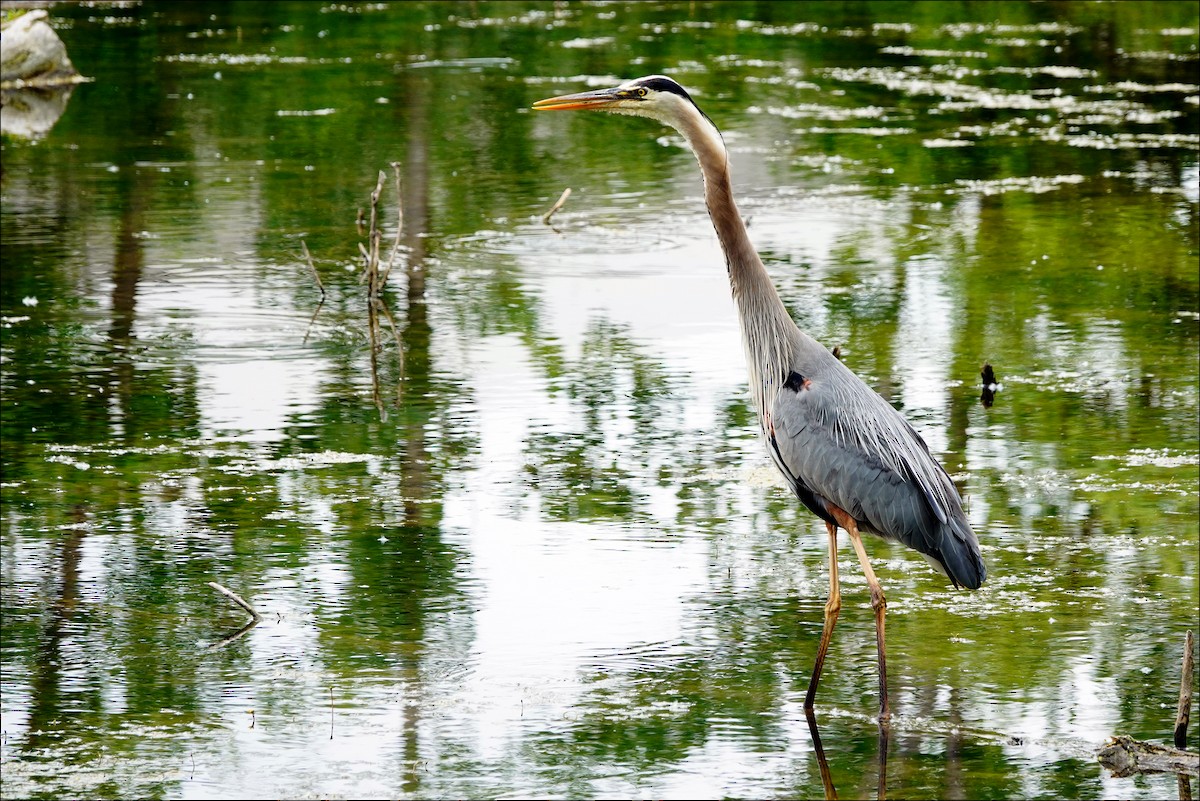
x=768 y=333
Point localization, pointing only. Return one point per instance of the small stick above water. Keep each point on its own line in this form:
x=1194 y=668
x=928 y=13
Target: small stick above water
x=237 y=599
x=395 y=165
x=1184 y=708
x=313 y=267
x=558 y=204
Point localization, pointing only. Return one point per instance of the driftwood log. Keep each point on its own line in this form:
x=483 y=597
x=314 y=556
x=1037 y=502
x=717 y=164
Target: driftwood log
x=1125 y=756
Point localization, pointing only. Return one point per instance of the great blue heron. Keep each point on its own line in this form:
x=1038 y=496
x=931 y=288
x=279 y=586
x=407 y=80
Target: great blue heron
x=849 y=457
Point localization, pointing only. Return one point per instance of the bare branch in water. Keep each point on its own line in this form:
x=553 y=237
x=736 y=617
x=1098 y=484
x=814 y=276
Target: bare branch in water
x=237 y=599
x=1183 y=710
x=399 y=224
x=308 y=257
x=558 y=204
x=375 y=282
x=313 y=267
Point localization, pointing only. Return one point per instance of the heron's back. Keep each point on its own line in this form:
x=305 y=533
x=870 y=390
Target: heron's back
x=839 y=442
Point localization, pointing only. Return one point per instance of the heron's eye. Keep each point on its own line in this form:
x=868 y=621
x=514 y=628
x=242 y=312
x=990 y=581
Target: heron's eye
x=641 y=92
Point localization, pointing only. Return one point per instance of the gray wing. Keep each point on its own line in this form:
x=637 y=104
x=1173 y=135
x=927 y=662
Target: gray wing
x=837 y=441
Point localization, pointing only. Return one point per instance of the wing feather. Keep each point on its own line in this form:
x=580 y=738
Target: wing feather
x=859 y=453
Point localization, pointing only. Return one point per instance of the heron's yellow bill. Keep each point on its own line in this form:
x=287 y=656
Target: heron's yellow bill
x=580 y=100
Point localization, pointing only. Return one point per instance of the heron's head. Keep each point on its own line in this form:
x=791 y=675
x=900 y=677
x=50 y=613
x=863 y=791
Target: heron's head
x=655 y=96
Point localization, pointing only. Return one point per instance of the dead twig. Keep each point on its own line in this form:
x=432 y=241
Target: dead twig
x=320 y=286
x=558 y=204
x=373 y=238
x=1184 y=708
x=237 y=599
x=399 y=224
x=308 y=257
x=366 y=273
x=1183 y=711
x=376 y=280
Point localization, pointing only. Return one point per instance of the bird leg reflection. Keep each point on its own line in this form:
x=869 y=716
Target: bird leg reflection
x=885 y=731
x=832 y=607
x=822 y=763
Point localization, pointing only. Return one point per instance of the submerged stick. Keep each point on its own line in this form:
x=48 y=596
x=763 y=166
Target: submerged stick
x=558 y=204
x=1184 y=708
x=237 y=599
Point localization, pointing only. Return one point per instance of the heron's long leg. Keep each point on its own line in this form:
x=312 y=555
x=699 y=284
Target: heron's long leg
x=879 y=605
x=832 y=607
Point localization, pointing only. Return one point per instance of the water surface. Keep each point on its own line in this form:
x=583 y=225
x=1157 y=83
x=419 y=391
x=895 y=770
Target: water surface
x=528 y=544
